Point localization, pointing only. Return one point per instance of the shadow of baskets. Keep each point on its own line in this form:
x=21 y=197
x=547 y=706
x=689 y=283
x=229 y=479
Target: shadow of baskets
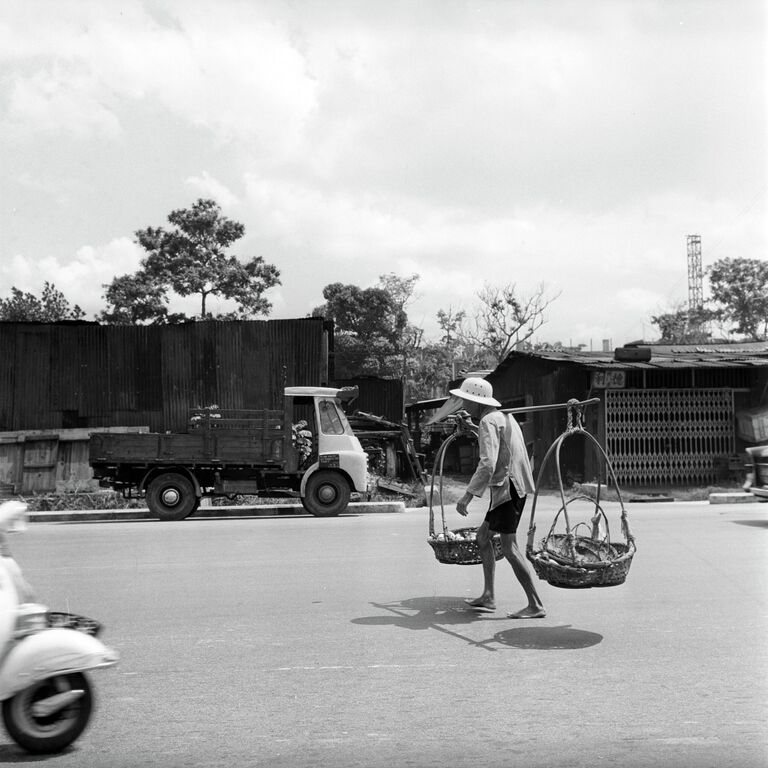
x=548 y=638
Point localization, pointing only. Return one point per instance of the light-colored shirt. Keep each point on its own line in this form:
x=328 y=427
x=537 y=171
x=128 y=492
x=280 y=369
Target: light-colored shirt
x=502 y=455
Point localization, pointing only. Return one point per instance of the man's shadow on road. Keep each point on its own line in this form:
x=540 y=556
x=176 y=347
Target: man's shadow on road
x=444 y=614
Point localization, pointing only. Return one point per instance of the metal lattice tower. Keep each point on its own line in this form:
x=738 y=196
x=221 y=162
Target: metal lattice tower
x=695 y=275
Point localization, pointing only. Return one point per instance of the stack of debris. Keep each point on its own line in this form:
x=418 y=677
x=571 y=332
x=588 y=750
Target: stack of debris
x=392 y=454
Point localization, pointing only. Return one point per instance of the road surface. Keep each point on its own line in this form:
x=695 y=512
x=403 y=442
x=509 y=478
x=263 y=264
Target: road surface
x=309 y=642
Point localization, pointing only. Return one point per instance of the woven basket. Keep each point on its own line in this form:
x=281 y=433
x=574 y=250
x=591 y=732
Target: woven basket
x=457 y=547
x=461 y=551
x=73 y=621
x=569 y=559
x=595 y=564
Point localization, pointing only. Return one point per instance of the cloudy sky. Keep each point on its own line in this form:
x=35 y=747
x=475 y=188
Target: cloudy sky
x=567 y=143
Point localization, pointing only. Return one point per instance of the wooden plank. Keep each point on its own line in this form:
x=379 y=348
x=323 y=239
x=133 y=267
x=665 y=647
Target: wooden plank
x=236 y=447
x=41 y=455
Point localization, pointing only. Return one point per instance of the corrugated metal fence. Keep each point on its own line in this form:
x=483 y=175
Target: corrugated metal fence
x=74 y=375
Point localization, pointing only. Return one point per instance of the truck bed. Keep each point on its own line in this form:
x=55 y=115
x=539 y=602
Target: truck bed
x=246 y=442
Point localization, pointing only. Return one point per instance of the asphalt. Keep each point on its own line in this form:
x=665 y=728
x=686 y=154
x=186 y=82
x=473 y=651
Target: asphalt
x=297 y=642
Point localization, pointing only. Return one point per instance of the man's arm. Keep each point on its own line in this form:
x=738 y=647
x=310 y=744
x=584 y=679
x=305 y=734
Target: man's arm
x=488 y=440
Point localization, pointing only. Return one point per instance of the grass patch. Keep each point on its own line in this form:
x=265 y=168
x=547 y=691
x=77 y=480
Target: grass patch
x=79 y=500
x=453 y=487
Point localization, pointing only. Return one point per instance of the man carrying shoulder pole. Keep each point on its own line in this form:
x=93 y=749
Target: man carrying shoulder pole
x=504 y=468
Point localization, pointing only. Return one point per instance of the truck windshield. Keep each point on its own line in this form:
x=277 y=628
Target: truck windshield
x=332 y=421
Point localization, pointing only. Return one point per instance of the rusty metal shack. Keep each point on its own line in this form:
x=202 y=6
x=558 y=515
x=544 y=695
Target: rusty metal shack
x=668 y=415
x=60 y=381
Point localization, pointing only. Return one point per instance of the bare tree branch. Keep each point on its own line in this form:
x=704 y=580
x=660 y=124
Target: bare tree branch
x=504 y=320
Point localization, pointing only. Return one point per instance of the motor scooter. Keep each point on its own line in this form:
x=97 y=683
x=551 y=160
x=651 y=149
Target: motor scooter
x=46 y=696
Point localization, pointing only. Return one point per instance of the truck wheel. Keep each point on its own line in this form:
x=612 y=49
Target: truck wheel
x=171 y=496
x=327 y=494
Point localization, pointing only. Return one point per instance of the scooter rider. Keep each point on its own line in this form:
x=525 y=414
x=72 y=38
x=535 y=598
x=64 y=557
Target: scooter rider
x=45 y=694
x=13 y=520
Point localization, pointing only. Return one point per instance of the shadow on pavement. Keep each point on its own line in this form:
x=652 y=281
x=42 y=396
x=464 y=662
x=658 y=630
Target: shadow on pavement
x=548 y=638
x=10 y=753
x=424 y=613
x=447 y=614
x=752 y=523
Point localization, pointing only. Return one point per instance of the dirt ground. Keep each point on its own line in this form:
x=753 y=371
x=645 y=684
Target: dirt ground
x=453 y=487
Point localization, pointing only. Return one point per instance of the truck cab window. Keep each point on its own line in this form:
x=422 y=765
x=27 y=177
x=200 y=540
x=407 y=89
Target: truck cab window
x=331 y=421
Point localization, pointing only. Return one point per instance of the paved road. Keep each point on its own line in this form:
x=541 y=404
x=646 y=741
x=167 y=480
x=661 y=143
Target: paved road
x=311 y=642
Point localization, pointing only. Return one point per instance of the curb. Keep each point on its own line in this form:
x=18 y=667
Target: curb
x=272 y=510
x=732 y=498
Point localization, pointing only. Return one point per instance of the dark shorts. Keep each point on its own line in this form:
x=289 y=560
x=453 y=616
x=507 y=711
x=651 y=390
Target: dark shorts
x=506 y=517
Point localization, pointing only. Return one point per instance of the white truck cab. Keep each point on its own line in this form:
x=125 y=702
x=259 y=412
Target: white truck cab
x=341 y=464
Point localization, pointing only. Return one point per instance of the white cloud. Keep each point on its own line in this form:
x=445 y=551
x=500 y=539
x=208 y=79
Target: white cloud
x=55 y=102
x=231 y=71
x=500 y=142
x=80 y=278
x=208 y=187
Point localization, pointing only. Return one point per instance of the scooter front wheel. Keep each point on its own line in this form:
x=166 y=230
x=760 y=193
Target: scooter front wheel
x=49 y=715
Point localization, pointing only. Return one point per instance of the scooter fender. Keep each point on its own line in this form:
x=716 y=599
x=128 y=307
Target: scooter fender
x=51 y=652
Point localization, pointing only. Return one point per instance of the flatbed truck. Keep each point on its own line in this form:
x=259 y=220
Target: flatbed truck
x=306 y=450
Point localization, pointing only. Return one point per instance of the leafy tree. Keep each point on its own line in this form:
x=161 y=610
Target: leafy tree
x=136 y=299
x=51 y=307
x=406 y=337
x=431 y=371
x=683 y=326
x=372 y=333
x=191 y=259
x=740 y=288
x=502 y=321
x=364 y=313
x=450 y=324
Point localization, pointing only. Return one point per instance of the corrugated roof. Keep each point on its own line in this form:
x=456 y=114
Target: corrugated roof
x=746 y=355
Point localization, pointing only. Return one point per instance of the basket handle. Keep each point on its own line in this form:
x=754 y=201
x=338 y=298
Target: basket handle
x=594 y=520
x=464 y=426
x=574 y=429
x=439 y=460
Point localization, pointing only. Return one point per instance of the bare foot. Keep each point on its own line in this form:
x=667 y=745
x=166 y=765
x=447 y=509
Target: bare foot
x=481 y=604
x=528 y=613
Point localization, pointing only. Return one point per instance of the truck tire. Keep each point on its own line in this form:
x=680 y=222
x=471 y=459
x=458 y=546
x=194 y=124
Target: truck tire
x=326 y=494
x=171 y=496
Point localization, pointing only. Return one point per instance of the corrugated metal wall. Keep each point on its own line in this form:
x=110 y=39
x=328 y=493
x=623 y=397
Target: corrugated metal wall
x=71 y=375
x=380 y=397
x=543 y=383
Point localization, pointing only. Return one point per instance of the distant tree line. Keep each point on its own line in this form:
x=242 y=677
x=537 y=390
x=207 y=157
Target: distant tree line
x=373 y=333
x=738 y=306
